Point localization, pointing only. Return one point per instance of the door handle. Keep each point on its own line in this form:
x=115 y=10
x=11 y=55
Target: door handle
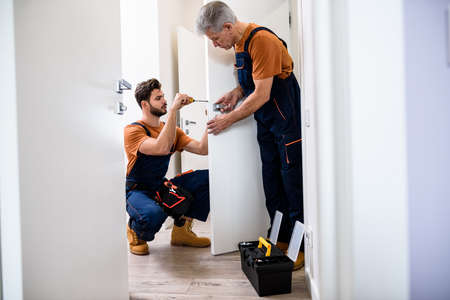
x=120 y=108
x=187 y=122
x=122 y=85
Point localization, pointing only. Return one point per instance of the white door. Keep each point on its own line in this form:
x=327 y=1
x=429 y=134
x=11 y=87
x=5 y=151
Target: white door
x=192 y=81
x=70 y=149
x=238 y=211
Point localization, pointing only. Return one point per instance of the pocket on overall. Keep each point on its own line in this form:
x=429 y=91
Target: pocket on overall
x=244 y=70
x=174 y=200
x=282 y=116
x=291 y=149
x=281 y=111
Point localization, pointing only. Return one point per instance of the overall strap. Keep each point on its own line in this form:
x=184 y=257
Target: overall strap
x=247 y=42
x=172 y=149
x=142 y=125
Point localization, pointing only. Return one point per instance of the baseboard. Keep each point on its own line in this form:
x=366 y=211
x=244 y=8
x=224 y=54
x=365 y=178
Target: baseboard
x=312 y=287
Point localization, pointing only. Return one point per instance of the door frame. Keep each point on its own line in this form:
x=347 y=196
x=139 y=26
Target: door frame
x=10 y=224
x=301 y=14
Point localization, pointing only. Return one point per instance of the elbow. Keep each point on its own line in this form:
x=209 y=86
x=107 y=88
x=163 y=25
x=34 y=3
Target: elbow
x=202 y=151
x=262 y=94
x=265 y=97
x=205 y=149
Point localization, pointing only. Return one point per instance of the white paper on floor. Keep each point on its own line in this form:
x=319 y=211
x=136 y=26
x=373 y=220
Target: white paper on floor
x=275 y=227
x=296 y=240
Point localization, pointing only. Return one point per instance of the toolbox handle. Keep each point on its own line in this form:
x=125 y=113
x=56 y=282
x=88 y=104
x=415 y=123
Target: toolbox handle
x=262 y=241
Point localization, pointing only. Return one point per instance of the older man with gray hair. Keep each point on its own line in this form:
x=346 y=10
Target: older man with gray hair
x=271 y=92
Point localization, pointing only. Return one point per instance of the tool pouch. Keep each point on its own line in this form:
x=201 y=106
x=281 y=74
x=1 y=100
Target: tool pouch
x=174 y=200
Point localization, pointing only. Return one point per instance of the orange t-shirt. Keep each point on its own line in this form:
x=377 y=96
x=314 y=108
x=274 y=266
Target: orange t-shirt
x=269 y=56
x=134 y=135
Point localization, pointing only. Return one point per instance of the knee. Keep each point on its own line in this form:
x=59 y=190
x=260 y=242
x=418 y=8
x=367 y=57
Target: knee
x=153 y=218
x=147 y=215
x=202 y=177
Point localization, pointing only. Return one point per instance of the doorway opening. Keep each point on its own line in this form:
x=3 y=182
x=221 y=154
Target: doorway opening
x=177 y=270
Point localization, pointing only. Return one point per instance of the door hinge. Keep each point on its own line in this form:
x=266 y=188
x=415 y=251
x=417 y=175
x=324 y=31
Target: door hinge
x=309 y=239
x=307 y=118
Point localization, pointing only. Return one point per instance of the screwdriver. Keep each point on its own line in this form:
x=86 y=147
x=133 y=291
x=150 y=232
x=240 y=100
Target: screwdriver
x=195 y=100
x=216 y=107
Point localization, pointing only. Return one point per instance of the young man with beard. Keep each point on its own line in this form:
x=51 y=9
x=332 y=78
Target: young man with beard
x=149 y=143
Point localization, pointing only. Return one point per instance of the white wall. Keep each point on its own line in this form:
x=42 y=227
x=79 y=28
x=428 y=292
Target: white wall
x=173 y=13
x=11 y=250
x=378 y=139
x=295 y=35
x=362 y=149
x=140 y=50
x=428 y=127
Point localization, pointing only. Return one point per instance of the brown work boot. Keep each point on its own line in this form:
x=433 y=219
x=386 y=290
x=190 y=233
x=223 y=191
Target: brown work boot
x=184 y=236
x=300 y=262
x=137 y=246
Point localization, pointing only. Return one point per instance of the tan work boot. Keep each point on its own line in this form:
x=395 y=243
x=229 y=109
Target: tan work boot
x=184 y=236
x=137 y=246
x=300 y=262
x=283 y=246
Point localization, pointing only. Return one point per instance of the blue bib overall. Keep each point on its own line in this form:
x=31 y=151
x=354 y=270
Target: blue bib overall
x=279 y=138
x=148 y=172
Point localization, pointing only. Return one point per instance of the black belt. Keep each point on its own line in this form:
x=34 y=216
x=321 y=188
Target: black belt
x=135 y=186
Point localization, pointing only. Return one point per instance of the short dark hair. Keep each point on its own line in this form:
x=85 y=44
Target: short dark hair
x=144 y=90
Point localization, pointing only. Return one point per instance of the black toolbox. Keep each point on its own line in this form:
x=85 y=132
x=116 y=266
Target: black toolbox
x=266 y=267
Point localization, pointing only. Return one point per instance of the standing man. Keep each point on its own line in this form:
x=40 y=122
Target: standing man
x=272 y=94
x=149 y=143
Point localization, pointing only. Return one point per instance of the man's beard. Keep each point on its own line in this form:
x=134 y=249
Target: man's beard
x=157 y=112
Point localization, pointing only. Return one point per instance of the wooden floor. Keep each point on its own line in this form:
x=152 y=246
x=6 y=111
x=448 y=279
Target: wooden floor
x=193 y=273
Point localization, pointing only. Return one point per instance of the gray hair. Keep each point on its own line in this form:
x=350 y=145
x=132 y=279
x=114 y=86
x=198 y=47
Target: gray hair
x=212 y=16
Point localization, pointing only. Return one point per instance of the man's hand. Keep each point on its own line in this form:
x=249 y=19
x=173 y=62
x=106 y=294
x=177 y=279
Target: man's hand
x=180 y=101
x=230 y=99
x=219 y=124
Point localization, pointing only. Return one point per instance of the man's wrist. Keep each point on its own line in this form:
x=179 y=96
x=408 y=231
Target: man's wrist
x=239 y=91
x=233 y=116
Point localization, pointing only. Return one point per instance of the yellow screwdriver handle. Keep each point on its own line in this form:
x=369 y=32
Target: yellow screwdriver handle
x=262 y=241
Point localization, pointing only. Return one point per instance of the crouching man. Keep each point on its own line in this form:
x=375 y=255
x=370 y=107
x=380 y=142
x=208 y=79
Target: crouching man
x=149 y=143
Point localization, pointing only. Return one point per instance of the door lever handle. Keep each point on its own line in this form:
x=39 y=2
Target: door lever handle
x=187 y=122
x=120 y=108
x=122 y=85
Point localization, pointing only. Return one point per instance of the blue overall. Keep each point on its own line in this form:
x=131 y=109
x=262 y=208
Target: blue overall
x=146 y=216
x=279 y=138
